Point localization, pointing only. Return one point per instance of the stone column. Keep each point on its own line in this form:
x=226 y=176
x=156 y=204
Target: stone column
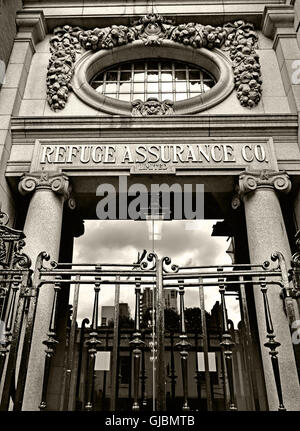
x=43 y=231
x=266 y=234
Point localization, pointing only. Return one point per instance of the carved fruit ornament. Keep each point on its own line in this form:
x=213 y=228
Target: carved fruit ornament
x=238 y=38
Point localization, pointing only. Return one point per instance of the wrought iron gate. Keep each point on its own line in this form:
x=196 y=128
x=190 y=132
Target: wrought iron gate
x=20 y=287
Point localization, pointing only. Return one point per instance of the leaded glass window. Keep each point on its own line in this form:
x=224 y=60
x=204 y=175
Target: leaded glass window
x=162 y=79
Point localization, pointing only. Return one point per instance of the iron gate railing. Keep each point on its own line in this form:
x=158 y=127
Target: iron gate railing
x=20 y=287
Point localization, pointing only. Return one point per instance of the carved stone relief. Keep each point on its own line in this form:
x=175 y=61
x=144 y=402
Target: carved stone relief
x=238 y=38
x=152 y=106
x=57 y=182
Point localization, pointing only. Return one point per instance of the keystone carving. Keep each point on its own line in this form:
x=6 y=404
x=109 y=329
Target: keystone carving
x=58 y=183
x=238 y=38
x=152 y=106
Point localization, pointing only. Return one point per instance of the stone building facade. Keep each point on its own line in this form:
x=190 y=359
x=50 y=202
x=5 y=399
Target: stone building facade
x=193 y=91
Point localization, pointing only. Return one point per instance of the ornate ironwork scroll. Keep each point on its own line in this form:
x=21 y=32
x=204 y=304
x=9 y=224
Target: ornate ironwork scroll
x=289 y=292
x=11 y=246
x=239 y=38
x=15 y=297
x=160 y=274
x=6 y=331
x=295 y=271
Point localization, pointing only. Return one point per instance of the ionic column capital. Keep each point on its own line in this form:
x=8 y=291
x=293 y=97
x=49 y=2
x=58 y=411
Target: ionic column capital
x=57 y=182
x=249 y=181
x=252 y=180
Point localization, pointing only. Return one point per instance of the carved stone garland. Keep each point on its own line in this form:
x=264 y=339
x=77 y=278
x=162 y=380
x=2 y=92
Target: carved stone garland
x=239 y=38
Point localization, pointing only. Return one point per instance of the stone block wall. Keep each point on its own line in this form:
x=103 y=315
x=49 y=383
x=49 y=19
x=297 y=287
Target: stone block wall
x=8 y=29
x=19 y=49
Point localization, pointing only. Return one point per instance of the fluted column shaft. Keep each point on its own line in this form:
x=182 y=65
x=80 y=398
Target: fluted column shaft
x=43 y=231
x=266 y=234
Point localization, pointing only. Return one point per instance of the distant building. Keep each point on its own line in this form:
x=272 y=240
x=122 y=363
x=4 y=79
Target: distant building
x=108 y=312
x=147 y=298
x=170 y=299
x=124 y=310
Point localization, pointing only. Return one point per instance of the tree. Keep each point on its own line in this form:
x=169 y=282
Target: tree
x=171 y=320
x=193 y=319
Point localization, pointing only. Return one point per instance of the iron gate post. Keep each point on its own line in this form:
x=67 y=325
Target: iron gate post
x=227 y=345
x=184 y=346
x=8 y=325
x=32 y=301
x=115 y=348
x=160 y=330
x=272 y=344
x=69 y=371
x=137 y=343
x=92 y=343
x=27 y=303
x=205 y=346
x=50 y=343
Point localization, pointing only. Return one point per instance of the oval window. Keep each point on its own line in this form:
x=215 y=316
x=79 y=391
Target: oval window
x=152 y=78
x=192 y=80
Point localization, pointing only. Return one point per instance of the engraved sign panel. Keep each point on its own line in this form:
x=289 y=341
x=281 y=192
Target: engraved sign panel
x=169 y=156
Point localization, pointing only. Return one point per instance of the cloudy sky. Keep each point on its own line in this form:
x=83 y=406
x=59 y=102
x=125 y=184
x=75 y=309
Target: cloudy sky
x=187 y=243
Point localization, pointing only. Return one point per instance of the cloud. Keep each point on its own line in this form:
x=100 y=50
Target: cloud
x=119 y=242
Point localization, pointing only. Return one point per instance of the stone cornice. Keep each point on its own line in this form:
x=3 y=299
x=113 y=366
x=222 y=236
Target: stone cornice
x=33 y=23
x=280 y=16
x=94 y=13
x=57 y=182
x=204 y=125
